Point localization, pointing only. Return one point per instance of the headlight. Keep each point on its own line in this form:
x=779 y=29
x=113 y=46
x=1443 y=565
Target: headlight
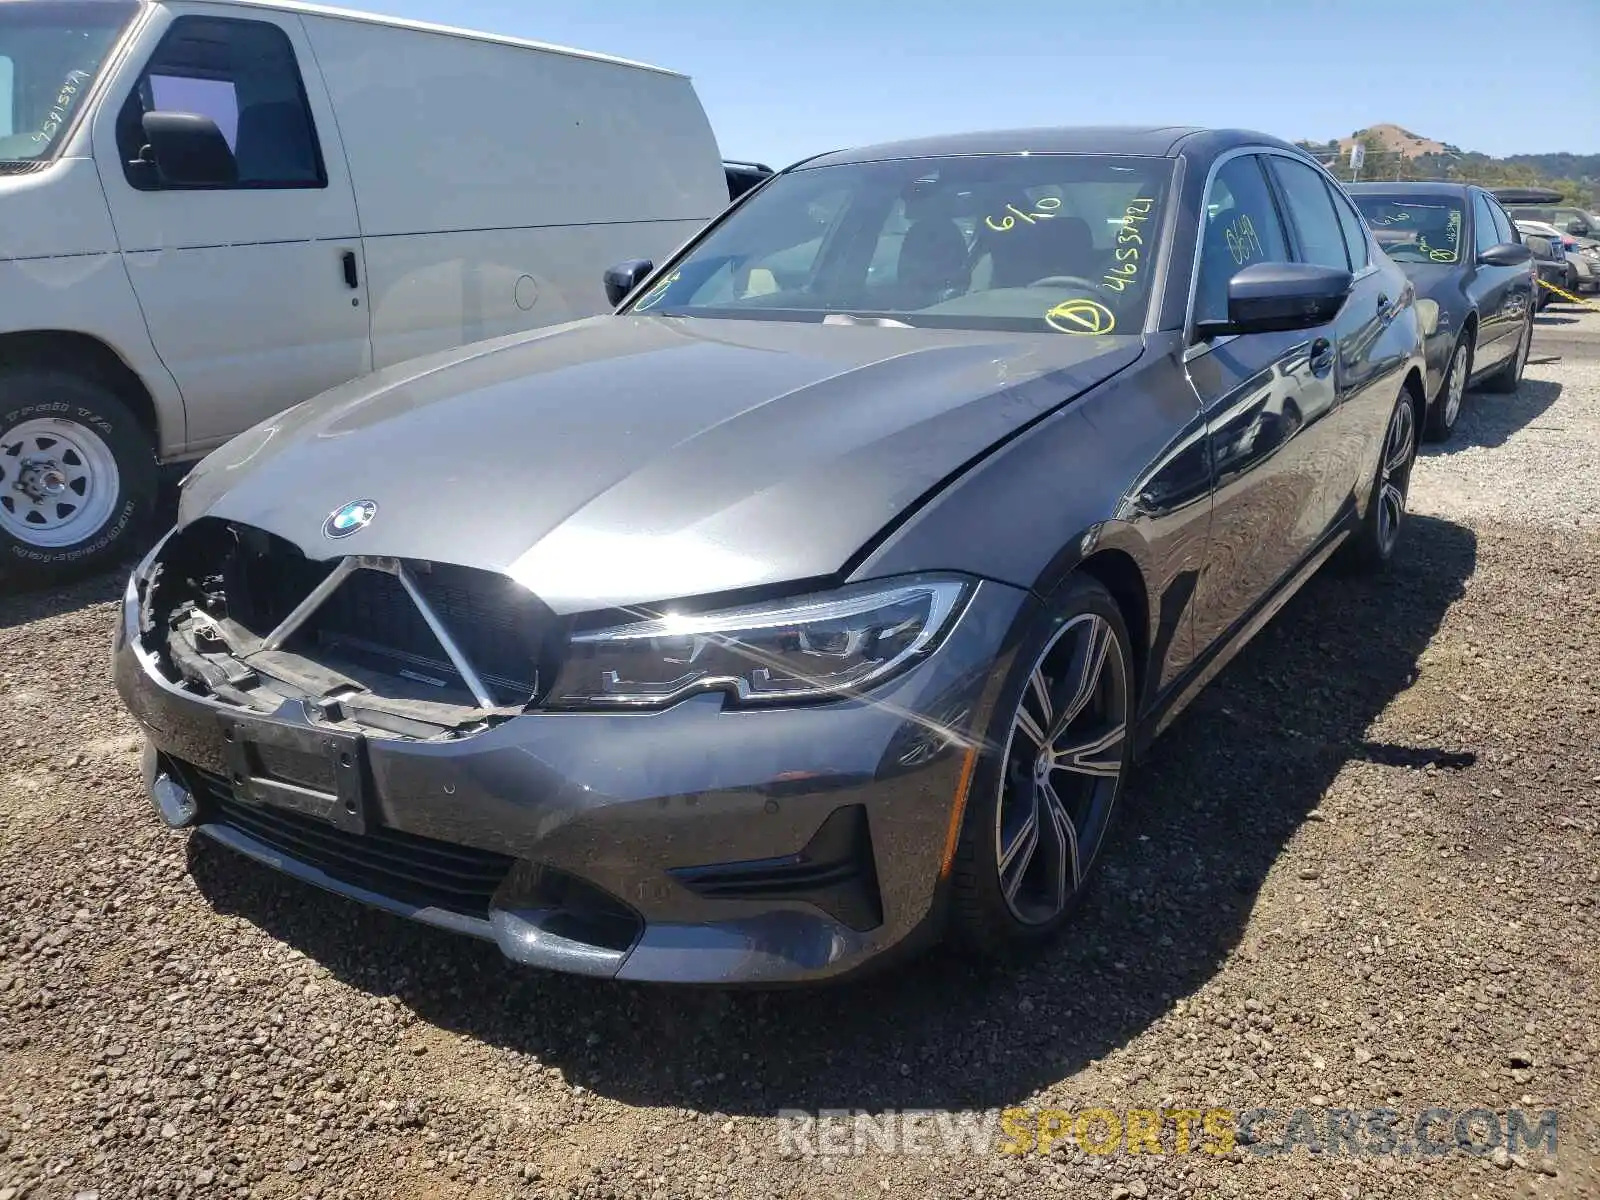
x=832 y=644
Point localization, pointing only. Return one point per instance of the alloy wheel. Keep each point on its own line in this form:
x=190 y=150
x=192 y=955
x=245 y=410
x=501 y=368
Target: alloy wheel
x=1061 y=769
x=1394 y=475
x=1457 y=386
x=58 y=482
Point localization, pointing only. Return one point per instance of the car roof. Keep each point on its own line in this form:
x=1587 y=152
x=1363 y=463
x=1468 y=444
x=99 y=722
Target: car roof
x=1156 y=141
x=1410 y=187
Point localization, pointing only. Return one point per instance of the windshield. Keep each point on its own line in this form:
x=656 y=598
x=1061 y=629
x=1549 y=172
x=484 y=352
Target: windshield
x=1026 y=243
x=50 y=53
x=1412 y=229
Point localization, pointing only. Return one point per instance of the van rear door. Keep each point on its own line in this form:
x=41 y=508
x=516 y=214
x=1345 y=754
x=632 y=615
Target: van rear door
x=252 y=286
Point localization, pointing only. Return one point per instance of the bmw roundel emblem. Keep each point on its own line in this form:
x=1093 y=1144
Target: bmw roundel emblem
x=350 y=518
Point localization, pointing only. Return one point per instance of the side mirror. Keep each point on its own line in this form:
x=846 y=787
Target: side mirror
x=1275 y=297
x=189 y=150
x=625 y=276
x=1506 y=254
x=1577 y=228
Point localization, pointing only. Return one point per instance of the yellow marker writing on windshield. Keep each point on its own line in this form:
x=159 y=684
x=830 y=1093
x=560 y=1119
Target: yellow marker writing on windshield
x=655 y=293
x=1081 y=316
x=1043 y=209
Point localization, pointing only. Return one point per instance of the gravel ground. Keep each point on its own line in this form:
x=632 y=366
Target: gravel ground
x=1362 y=874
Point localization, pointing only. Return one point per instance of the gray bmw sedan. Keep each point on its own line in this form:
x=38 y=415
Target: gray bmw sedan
x=815 y=604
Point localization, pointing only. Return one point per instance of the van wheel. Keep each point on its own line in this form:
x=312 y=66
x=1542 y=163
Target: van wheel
x=77 y=476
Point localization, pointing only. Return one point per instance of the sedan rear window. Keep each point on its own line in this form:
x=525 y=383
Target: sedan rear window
x=1412 y=229
x=1027 y=243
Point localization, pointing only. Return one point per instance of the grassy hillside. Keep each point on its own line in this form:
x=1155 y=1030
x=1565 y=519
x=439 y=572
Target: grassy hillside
x=1396 y=153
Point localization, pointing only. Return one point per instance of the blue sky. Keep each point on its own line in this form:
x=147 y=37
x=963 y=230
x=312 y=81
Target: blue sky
x=783 y=80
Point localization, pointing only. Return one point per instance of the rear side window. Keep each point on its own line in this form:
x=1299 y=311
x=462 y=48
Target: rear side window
x=244 y=77
x=1312 y=214
x=1242 y=228
x=1355 y=230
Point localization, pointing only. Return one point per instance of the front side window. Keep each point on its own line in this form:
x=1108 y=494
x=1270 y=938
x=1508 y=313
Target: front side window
x=1311 y=210
x=1484 y=235
x=1502 y=225
x=243 y=77
x=1242 y=228
x=1037 y=243
x=1414 y=228
x=50 y=53
x=1355 y=234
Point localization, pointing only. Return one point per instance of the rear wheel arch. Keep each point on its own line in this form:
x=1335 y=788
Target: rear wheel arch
x=1414 y=384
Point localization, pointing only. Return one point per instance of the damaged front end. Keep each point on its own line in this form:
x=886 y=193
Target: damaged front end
x=385 y=647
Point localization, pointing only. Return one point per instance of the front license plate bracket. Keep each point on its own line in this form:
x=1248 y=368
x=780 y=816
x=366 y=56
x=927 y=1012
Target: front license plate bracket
x=339 y=795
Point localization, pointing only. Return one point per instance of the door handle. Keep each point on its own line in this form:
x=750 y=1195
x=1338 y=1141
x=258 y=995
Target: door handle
x=1321 y=356
x=350 y=269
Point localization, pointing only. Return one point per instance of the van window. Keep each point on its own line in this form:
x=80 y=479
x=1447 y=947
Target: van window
x=7 y=74
x=243 y=76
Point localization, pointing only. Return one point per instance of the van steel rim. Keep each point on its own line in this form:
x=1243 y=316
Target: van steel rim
x=58 y=482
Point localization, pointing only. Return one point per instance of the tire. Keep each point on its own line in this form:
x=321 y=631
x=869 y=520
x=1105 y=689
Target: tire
x=1372 y=548
x=1079 y=652
x=1446 y=407
x=1507 y=378
x=78 y=476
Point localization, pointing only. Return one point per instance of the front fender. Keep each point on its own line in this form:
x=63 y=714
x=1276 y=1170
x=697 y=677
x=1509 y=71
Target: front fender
x=1123 y=470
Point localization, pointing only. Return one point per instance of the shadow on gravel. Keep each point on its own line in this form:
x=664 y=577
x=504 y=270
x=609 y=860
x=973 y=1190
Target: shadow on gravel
x=1489 y=420
x=1205 y=822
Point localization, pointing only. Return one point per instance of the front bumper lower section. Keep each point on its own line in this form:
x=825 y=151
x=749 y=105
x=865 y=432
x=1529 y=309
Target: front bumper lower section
x=697 y=844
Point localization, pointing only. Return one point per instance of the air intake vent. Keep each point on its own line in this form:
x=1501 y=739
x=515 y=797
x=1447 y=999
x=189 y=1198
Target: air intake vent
x=834 y=872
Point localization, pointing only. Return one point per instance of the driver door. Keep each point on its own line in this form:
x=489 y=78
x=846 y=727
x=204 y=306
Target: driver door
x=1265 y=396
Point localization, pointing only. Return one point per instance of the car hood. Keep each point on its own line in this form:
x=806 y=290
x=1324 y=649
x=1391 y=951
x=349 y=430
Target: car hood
x=620 y=460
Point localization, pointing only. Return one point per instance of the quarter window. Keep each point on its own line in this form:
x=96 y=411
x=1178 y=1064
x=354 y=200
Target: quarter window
x=243 y=76
x=1311 y=212
x=1241 y=228
x=1484 y=235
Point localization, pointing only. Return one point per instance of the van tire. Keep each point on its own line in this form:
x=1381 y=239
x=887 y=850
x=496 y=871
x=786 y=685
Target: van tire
x=78 y=477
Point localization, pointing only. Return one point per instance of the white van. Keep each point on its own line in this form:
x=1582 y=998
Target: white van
x=211 y=211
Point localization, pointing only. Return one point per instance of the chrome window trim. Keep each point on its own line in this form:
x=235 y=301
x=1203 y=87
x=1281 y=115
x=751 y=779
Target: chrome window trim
x=1193 y=349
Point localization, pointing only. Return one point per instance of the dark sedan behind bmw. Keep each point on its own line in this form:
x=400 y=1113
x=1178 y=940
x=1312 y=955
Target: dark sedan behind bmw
x=1475 y=285
x=817 y=602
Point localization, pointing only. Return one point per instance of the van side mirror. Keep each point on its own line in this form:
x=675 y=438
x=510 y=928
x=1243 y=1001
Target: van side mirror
x=1577 y=228
x=189 y=150
x=1276 y=297
x=625 y=276
x=1506 y=254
